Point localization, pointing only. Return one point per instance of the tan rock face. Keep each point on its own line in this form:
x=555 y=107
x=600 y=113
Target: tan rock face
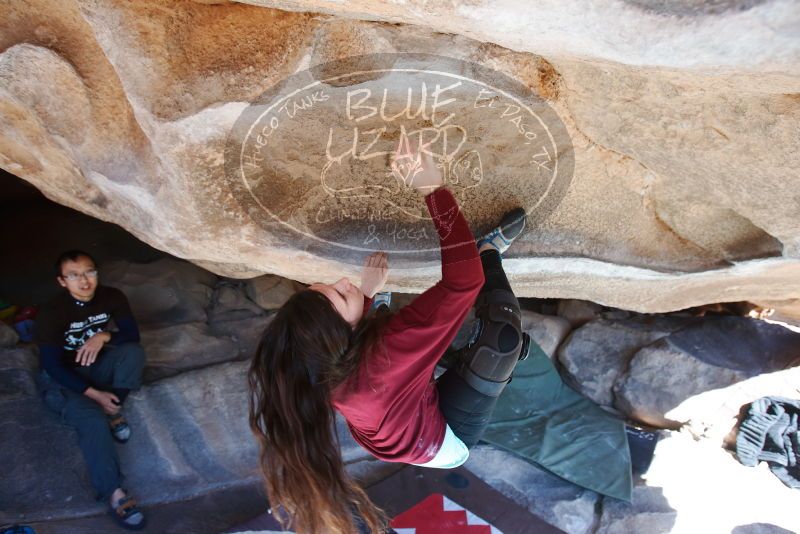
x=666 y=176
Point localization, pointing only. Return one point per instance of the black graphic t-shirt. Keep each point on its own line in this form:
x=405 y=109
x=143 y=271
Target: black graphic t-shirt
x=65 y=324
x=69 y=323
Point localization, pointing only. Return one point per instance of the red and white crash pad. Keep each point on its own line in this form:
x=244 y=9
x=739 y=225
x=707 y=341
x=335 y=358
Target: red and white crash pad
x=437 y=514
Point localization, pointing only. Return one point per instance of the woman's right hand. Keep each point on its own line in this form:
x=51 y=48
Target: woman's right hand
x=429 y=178
x=418 y=171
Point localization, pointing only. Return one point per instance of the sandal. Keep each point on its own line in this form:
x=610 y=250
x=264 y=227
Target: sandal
x=120 y=429
x=127 y=514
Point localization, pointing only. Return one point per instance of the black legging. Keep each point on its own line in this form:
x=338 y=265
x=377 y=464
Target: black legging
x=493 y=271
x=466 y=410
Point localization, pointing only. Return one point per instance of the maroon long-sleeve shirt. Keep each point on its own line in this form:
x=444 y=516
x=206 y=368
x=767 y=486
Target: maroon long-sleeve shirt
x=391 y=402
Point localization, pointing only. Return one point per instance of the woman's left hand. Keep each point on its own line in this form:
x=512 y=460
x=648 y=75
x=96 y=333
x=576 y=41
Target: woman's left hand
x=376 y=271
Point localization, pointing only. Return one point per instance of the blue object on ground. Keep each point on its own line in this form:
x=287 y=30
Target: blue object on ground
x=18 y=529
x=24 y=330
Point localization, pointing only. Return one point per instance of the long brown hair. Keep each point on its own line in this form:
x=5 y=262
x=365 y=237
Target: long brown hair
x=306 y=351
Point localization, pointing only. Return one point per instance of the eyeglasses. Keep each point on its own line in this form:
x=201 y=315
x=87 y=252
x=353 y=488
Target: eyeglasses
x=73 y=277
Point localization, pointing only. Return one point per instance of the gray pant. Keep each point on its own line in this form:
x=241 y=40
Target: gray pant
x=116 y=367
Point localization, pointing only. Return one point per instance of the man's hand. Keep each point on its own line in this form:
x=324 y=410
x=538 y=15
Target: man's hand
x=88 y=352
x=107 y=401
x=376 y=271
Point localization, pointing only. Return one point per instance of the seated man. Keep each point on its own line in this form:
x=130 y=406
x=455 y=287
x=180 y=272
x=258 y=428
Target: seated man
x=87 y=371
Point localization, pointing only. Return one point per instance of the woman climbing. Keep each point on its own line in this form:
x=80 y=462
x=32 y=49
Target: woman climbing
x=323 y=352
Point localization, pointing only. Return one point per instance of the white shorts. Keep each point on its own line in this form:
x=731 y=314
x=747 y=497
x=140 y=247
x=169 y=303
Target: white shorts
x=452 y=453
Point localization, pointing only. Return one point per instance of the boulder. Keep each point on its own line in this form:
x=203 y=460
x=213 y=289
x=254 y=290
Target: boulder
x=712 y=415
x=402 y=299
x=271 y=292
x=786 y=311
x=8 y=336
x=229 y=302
x=701 y=487
x=560 y=503
x=35 y=442
x=649 y=511
x=190 y=436
x=577 y=312
x=246 y=333
x=216 y=511
x=656 y=209
x=714 y=353
x=760 y=528
x=598 y=353
x=178 y=348
x=163 y=292
x=233 y=315
x=545 y=330
x=18 y=369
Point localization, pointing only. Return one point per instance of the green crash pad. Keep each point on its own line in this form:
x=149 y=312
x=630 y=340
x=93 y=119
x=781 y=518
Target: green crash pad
x=543 y=420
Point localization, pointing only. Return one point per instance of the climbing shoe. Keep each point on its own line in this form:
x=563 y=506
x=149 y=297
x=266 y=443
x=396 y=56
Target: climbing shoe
x=501 y=236
x=381 y=298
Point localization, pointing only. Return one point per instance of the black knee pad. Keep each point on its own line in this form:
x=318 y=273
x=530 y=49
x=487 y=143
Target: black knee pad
x=488 y=362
